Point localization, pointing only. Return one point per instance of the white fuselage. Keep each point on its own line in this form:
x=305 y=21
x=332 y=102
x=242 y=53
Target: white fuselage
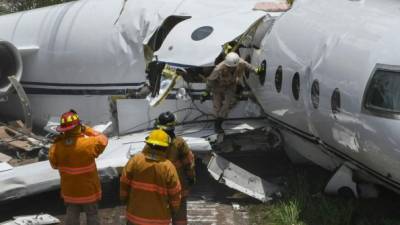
x=81 y=57
x=77 y=54
x=339 y=44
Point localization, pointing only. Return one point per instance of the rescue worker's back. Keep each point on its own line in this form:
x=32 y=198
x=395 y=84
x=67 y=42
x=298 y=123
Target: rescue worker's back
x=74 y=157
x=151 y=188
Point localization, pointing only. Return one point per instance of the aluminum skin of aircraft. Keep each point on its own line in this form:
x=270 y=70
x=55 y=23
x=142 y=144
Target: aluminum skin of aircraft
x=82 y=54
x=332 y=85
x=77 y=54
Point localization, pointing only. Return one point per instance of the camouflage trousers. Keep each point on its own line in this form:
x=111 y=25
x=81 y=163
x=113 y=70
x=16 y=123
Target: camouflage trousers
x=74 y=211
x=224 y=99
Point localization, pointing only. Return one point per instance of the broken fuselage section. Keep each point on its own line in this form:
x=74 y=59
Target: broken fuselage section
x=190 y=48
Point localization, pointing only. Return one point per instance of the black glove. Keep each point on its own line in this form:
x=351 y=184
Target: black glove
x=204 y=96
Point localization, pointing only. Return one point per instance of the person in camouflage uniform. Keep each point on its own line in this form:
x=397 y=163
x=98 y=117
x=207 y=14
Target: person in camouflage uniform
x=182 y=157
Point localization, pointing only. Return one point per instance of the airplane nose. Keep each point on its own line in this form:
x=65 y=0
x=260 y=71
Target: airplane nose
x=10 y=65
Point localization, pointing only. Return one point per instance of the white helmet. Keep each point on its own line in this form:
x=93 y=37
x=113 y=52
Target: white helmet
x=232 y=59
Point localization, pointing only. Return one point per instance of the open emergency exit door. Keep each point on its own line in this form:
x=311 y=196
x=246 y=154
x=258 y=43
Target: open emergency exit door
x=195 y=45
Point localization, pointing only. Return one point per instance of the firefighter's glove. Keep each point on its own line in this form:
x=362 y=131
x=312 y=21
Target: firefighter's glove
x=204 y=96
x=260 y=70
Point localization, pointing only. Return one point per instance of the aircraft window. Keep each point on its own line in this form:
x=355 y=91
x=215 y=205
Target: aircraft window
x=383 y=93
x=315 y=94
x=296 y=86
x=201 y=33
x=335 y=101
x=261 y=77
x=278 y=79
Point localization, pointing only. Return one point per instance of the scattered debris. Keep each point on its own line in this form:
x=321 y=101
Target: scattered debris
x=237 y=207
x=41 y=219
x=239 y=179
x=19 y=146
x=15 y=135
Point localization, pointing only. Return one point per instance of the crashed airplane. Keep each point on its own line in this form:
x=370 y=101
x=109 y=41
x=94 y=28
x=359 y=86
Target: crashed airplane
x=91 y=55
x=329 y=90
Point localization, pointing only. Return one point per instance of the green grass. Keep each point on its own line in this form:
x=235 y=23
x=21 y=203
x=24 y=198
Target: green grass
x=304 y=204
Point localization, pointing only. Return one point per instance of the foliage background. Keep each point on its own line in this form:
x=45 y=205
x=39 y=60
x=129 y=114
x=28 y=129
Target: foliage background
x=10 y=6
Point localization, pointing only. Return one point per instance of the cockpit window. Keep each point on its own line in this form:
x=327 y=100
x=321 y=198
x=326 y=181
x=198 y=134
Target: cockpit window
x=383 y=93
x=201 y=33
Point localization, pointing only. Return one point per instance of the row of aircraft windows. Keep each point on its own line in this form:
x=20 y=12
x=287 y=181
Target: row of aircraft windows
x=335 y=99
x=382 y=95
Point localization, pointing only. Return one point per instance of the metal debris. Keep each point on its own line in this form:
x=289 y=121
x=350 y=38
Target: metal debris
x=15 y=135
x=239 y=179
x=41 y=219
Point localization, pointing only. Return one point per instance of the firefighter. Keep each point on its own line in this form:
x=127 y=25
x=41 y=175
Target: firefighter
x=182 y=157
x=150 y=184
x=73 y=154
x=223 y=82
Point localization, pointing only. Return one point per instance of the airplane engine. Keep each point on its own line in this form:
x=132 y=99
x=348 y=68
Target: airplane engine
x=10 y=65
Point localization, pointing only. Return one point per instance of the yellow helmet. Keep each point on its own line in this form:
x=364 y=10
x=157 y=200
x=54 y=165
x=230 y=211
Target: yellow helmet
x=158 y=137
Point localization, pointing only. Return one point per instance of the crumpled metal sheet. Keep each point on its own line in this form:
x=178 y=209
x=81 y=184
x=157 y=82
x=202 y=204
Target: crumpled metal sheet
x=239 y=179
x=40 y=177
x=179 y=43
x=41 y=219
x=140 y=19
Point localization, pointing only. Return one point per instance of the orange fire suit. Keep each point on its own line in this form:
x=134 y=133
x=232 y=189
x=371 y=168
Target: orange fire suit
x=182 y=157
x=223 y=81
x=74 y=157
x=150 y=186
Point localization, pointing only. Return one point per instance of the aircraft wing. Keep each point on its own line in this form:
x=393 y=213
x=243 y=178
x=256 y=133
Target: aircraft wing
x=21 y=181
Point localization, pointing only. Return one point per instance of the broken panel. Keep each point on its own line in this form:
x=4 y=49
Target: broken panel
x=239 y=179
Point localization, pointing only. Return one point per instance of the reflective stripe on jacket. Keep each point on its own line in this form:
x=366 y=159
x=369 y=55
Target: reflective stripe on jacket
x=74 y=157
x=151 y=188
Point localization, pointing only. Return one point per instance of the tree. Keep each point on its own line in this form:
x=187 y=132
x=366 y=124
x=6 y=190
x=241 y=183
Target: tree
x=20 y=5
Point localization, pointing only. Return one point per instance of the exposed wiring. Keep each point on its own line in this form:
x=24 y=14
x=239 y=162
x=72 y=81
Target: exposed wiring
x=189 y=88
x=149 y=121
